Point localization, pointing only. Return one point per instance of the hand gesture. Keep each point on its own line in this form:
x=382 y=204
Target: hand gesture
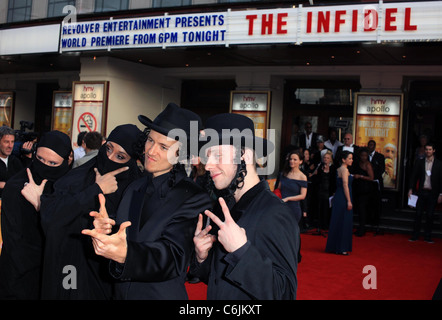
x=230 y=234
x=32 y=192
x=102 y=222
x=112 y=247
x=108 y=182
x=203 y=240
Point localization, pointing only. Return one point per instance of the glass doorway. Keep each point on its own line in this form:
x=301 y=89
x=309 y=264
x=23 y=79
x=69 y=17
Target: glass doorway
x=323 y=104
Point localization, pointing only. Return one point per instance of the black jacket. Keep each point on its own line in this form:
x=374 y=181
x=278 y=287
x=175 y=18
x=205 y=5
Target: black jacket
x=160 y=239
x=303 y=142
x=418 y=175
x=265 y=267
x=14 y=166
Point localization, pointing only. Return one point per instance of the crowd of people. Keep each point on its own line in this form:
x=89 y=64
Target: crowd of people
x=346 y=181
x=322 y=164
x=122 y=217
x=132 y=223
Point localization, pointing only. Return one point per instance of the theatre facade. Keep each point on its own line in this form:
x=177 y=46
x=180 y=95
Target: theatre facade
x=370 y=68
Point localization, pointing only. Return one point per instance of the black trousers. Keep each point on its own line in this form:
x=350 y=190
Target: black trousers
x=426 y=203
x=361 y=207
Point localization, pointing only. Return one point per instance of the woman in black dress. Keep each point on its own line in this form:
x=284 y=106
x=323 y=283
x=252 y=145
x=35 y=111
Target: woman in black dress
x=363 y=189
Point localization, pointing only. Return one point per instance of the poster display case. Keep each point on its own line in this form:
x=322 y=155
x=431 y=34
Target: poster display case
x=89 y=107
x=62 y=112
x=378 y=117
x=7 y=109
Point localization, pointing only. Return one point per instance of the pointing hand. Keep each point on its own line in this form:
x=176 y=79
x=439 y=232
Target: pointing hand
x=108 y=182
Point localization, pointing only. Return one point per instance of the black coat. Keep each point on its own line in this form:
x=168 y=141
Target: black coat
x=14 y=166
x=160 y=239
x=21 y=256
x=378 y=163
x=332 y=176
x=303 y=142
x=64 y=214
x=265 y=267
x=418 y=175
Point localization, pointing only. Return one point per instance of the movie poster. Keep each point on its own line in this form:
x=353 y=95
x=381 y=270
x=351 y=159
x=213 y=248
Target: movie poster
x=378 y=118
x=255 y=105
x=62 y=111
x=6 y=109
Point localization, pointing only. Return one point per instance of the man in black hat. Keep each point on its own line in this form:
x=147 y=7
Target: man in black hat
x=251 y=250
x=150 y=259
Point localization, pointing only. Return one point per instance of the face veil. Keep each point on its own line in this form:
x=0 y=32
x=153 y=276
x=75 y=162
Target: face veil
x=130 y=138
x=60 y=143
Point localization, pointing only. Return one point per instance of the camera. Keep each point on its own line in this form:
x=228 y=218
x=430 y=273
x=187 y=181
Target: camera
x=22 y=136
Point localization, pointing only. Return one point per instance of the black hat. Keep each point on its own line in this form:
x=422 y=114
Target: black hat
x=236 y=128
x=173 y=117
x=128 y=137
x=58 y=142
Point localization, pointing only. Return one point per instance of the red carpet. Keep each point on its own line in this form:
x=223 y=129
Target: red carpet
x=404 y=270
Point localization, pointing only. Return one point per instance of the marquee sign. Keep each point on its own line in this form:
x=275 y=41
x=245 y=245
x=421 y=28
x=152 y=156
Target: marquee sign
x=408 y=21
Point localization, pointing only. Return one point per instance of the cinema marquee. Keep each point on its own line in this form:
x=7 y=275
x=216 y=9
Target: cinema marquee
x=379 y=22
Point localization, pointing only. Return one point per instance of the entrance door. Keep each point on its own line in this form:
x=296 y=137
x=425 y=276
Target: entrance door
x=43 y=106
x=325 y=104
x=424 y=119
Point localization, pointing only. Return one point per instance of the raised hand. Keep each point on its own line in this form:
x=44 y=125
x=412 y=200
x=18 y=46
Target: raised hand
x=203 y=240
x=108 y=182
x=32 y=191
x=230 y=234
x=102 y=222
x=112 y=247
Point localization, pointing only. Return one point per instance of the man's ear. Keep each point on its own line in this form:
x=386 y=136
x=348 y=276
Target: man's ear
x=248 y=156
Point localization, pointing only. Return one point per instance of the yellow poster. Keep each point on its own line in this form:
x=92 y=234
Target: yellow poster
x=62 y=120
x=378 y=118
x=6 y=108
x=385 y=131
x=62 y=111
x=259 y=120
x=255 y=105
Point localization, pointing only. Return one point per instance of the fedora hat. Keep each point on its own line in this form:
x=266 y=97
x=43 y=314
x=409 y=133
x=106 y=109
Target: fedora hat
x=175 y=117
x=172 y=117
x=237 y=130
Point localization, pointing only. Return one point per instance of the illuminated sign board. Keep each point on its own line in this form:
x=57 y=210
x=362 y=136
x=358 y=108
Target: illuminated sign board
x=410 y=21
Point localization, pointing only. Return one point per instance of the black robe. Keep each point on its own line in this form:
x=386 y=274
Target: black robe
x=71 y=268
x=265 y=267
x=21 y=257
